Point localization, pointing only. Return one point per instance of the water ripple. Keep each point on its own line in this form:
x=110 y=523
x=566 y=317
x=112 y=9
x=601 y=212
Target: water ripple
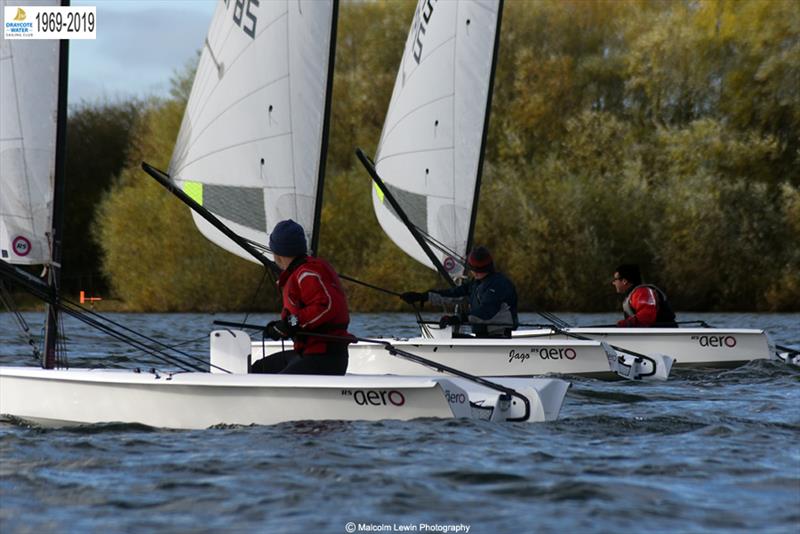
x=708 y=451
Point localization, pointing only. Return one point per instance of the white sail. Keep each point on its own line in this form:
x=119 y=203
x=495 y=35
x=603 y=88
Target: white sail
x=28 y=117
x=251 y=142
x=430 y=150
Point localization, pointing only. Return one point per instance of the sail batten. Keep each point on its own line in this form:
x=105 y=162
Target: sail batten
x=252 y=136
x=430 y=149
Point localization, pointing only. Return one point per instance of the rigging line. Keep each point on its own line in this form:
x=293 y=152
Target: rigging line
x=81 y=314
x=8 y=302
x=45 y=294
x=365 y=284
x=438 y=245
x=255 y=295
x=136 y=344
x=257 y=245
x=128 y=340
x=61 y=344
x=426 y=332
x=553 y=318
x=184 y=366
x=442 y=247
x=91 y=313
x=185 y=342
x=389 y=197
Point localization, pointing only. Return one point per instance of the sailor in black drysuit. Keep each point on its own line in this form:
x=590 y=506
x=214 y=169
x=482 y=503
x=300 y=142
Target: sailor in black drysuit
x=491 y=295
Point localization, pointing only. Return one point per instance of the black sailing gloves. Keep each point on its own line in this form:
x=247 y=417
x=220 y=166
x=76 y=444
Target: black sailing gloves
x=453 y=320
x=412 y=296
x=279 y=329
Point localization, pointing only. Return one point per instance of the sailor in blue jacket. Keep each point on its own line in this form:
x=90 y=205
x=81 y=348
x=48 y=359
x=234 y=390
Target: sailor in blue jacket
x=491 y=295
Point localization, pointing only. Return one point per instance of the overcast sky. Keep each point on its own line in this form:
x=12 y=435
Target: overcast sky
x=139 y=45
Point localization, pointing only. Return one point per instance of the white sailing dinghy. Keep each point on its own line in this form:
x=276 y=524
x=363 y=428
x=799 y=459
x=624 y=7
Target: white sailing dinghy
x=691 y=347
x=258 y=107
x=427 y=172
x=429 y=160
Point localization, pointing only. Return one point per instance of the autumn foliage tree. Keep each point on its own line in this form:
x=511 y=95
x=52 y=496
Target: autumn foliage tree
x=662 y=133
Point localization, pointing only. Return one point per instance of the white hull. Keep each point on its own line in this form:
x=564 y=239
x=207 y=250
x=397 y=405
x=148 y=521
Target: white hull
x=691 y=347
x=201 y=400
x=489 y=357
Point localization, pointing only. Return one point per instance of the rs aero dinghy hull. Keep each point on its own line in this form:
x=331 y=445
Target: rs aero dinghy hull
x=691 y=347
x=194 y=400
x=500 y=357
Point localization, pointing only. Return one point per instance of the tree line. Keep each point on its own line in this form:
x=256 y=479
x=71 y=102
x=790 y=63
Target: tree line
x=661 y=133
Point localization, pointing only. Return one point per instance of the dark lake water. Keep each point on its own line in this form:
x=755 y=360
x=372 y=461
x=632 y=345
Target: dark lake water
x=705 y=452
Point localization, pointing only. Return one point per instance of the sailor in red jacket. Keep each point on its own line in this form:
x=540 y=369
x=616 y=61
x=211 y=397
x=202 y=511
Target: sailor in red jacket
x=313 y=301
x=645 y=305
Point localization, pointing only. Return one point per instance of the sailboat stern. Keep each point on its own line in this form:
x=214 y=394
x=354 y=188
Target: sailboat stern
x=655 y=366
x=544 y=396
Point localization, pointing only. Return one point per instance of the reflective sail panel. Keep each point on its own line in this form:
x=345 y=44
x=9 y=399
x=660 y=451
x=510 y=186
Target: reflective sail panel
x=431 y=143
x=250 y=145
x=28 y=118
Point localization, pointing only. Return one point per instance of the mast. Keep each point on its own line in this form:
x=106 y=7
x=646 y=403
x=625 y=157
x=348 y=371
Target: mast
x=325 y=132
x=482 y=152
x=50 y=356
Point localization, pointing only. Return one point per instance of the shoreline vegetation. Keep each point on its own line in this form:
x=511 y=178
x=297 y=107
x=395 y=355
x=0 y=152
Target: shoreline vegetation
x=661 y=133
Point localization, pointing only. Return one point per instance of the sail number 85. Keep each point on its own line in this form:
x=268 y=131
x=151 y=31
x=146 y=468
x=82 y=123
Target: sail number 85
x=241 y=10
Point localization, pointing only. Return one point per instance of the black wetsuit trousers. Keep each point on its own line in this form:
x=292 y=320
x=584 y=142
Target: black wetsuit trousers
x=289 y=362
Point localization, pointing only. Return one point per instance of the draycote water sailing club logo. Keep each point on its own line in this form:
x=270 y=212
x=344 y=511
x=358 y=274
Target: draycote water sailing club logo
x=49 y=22
x=17 y=26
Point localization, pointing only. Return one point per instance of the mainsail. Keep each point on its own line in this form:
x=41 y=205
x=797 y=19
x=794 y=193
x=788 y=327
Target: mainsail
x=430 y=152
x=251 y=148
x=33 y=117
x=29 y=93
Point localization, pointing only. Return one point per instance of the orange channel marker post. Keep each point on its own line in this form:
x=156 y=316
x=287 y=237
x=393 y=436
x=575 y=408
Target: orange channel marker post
x=91 y=300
